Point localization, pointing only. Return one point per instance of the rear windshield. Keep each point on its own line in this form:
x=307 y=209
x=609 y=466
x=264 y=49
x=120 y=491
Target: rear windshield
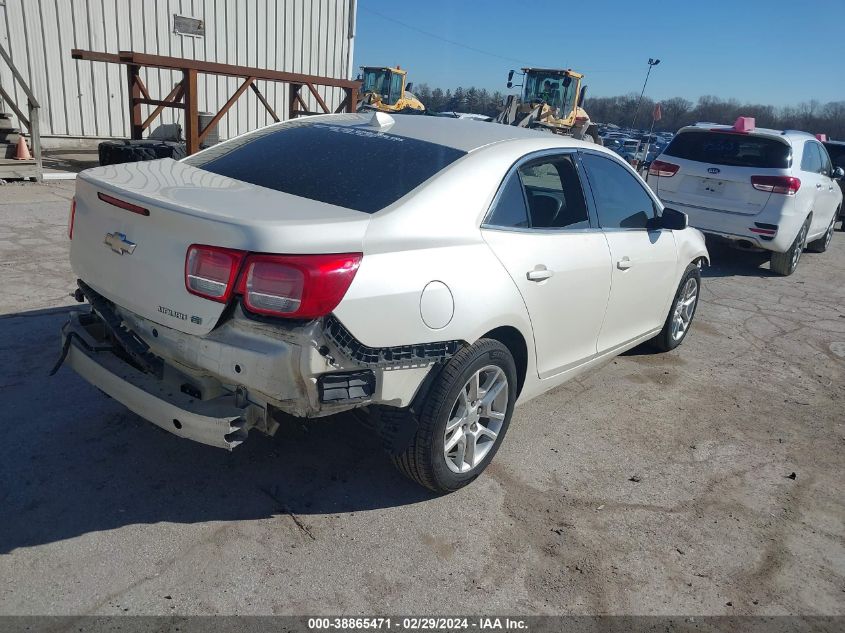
x=353 y=167
x=739 y=150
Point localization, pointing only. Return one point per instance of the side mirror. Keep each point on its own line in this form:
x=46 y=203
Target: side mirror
x=510 y=78
x=410 y=87
x=671 y=219
x=838 y=173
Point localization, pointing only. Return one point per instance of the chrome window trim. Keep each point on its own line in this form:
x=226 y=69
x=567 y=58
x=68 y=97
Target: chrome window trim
x=527 y=158
x=543 y=231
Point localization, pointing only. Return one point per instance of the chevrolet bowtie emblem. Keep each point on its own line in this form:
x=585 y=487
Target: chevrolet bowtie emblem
x=118 y=243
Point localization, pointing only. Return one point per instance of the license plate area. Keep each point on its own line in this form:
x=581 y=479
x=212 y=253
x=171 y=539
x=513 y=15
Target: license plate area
x=711 y=187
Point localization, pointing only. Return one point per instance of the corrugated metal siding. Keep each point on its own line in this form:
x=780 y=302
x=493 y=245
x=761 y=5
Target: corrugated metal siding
x=80 y=98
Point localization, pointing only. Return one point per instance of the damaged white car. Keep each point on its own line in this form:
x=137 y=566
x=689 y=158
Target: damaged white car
x=433 y=272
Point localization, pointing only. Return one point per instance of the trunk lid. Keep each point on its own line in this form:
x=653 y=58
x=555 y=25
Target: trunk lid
x=729 y=190
x=138 y=261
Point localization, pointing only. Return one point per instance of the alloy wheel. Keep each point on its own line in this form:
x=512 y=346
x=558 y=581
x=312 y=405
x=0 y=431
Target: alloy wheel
x=476 y=418
x=829 y=235
x=684 y=309
x=799 y=244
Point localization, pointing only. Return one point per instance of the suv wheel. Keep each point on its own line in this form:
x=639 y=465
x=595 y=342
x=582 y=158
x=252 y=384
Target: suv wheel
x=820 y=245
x=678 y=323
x=463 y=420
x=786 y=263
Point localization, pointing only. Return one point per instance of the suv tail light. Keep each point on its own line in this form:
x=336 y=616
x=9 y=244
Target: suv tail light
x=787 y=185
x=297 y=286
x=71 y=217
x=210 y=271
x=663 y=169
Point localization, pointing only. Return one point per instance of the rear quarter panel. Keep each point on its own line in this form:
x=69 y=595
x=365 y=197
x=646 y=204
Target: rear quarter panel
x=434 y=235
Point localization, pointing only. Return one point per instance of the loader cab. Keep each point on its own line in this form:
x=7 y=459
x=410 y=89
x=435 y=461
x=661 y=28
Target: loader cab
x=557 y=88
x=387 y=83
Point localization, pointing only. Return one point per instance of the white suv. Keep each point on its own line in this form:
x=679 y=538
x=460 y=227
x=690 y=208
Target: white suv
x=756 y=187
x=430 y=271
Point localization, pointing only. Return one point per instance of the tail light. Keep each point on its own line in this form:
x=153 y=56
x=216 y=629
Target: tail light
x=292 y=286
x=210 y=271
x=787 y=185
x=663 y=169
x=297 y=286
x=70 y=218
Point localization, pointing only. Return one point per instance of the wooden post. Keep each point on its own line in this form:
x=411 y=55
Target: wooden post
x=192 y=120
x=132 y=74
x=352 y=95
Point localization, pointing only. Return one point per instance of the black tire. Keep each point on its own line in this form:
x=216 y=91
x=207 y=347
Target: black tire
x=821 y=245
x=786 y=263
x=666 y=340
x=115 y=152
x=422 y=459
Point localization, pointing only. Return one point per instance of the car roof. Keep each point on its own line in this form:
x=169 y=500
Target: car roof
x=465 y=135
x=461 y=133
x=784 y=135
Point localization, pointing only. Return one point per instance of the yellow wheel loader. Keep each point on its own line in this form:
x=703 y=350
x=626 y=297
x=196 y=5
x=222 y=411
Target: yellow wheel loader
x=552 y=100
x=384 y=89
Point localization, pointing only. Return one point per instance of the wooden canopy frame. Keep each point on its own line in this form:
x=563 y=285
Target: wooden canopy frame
x=184 y=94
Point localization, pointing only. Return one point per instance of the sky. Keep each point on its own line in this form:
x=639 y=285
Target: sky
x=760 y=51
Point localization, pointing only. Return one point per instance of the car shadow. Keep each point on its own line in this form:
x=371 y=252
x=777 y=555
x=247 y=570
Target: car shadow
x=726 y=261
x=75 y=461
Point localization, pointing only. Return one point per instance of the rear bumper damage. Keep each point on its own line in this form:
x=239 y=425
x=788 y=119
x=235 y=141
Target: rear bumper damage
x=214 y=389
x=217 y=422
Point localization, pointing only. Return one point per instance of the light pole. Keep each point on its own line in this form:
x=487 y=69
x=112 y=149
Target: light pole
x=651 y=63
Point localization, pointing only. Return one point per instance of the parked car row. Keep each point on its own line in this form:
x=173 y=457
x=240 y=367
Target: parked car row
x=637 y=147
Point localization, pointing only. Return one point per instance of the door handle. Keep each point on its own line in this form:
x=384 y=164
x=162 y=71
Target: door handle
x=625 y=263
x=539 y=274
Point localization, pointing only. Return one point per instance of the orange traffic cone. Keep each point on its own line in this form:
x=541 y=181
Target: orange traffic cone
x=23 y=150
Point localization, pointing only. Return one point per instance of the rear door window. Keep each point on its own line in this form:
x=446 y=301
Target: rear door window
x=738 y=150
x=827 y=167
x=811 y=159
x=348 y=166
x=545 y=193
x=554 y=194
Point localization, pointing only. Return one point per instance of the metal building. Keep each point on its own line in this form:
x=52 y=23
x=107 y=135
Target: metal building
x=82 y=99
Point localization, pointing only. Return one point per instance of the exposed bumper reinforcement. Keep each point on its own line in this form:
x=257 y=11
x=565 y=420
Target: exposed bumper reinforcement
x=217 y=422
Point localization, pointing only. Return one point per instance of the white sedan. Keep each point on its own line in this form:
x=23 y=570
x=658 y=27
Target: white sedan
x=431 y=272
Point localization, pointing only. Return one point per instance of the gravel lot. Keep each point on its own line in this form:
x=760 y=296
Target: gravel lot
x=660 y=484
